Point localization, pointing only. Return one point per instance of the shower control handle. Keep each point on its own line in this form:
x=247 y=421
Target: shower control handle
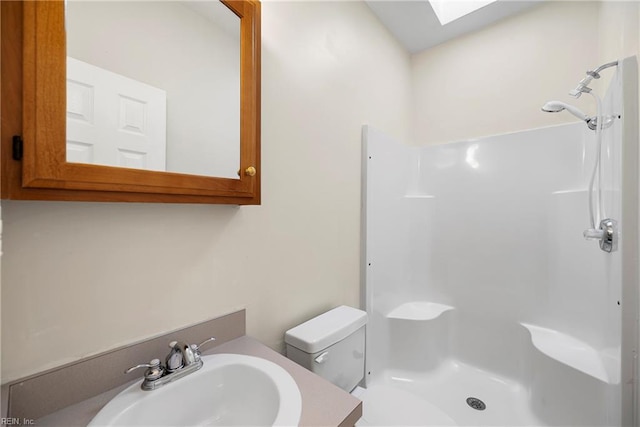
x=607 y=234
x=593 y=234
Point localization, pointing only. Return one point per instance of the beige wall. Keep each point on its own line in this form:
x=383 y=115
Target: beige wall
x=81 y=278
x=485 y=80
x=1 y=228
x=618 y=33
x=495 y=80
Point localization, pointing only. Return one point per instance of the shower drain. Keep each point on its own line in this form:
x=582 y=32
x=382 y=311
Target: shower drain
x=476 y=404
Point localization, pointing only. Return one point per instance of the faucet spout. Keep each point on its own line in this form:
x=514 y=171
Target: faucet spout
x=180 y=356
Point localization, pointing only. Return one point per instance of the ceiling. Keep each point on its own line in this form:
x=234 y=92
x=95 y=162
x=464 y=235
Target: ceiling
x=415 y=25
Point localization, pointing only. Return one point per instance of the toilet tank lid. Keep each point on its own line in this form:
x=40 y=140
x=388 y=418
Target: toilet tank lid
x=326 y=329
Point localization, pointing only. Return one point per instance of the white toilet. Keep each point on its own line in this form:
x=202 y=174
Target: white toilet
x=331 y=345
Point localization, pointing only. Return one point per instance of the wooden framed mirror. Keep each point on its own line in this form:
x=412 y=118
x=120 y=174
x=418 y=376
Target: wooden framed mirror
x=35 y=165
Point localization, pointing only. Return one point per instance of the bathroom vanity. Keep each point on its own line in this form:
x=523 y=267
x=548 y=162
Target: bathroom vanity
x=68 y=397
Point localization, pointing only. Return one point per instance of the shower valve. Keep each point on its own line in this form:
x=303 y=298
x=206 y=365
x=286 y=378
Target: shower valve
x=607 y=234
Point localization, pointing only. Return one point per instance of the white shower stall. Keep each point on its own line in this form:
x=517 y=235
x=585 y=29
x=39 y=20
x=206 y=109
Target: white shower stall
x=486 y=304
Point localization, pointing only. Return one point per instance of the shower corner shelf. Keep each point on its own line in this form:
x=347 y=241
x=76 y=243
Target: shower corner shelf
x=570 y=351
x=418 y=310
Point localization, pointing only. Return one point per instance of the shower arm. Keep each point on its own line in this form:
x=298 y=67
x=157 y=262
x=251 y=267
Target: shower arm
x=603 y=67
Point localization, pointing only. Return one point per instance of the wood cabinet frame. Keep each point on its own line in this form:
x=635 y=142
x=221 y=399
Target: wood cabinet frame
x=33 y=100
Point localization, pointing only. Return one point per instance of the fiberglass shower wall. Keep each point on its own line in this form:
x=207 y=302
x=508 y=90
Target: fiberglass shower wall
x=474 y=252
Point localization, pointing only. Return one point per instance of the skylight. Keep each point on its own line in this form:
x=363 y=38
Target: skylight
x=450 y=10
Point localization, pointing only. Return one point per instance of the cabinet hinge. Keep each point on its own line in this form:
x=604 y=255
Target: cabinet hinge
x=18 y=147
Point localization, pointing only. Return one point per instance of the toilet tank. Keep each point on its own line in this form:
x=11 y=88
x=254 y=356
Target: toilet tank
x=331 y=345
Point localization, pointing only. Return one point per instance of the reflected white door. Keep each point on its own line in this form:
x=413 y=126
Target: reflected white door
x=114 y=120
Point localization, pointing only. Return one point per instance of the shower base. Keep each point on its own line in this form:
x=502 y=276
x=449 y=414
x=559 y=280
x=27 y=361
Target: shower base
x=439 y=398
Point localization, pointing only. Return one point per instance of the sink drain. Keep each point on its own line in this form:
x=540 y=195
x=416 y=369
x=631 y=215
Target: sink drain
x=476 y=403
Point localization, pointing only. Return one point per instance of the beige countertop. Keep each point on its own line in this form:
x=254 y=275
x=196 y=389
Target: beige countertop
x=323 y=404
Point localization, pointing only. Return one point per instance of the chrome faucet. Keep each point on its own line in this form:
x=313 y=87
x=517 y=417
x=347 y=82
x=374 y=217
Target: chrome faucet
x=181 y=356
x=182 y=360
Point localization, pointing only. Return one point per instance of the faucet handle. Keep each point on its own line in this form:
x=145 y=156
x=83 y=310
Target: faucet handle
x=204 y=342
x=154 y=363
x=153 y=372
x=196 y=348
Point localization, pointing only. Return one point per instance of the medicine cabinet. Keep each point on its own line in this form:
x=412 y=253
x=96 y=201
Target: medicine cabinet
x=37 y=101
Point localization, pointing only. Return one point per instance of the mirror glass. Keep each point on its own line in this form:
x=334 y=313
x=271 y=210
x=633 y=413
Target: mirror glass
x=154 y=85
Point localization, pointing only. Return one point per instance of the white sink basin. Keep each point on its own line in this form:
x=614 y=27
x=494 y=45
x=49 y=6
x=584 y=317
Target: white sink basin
x=229 y=390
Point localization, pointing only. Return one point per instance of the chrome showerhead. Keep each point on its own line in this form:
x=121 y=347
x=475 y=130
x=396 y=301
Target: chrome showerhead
x=558 y=106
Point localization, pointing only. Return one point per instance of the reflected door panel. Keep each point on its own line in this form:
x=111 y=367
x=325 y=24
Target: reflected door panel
x=113 y=120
